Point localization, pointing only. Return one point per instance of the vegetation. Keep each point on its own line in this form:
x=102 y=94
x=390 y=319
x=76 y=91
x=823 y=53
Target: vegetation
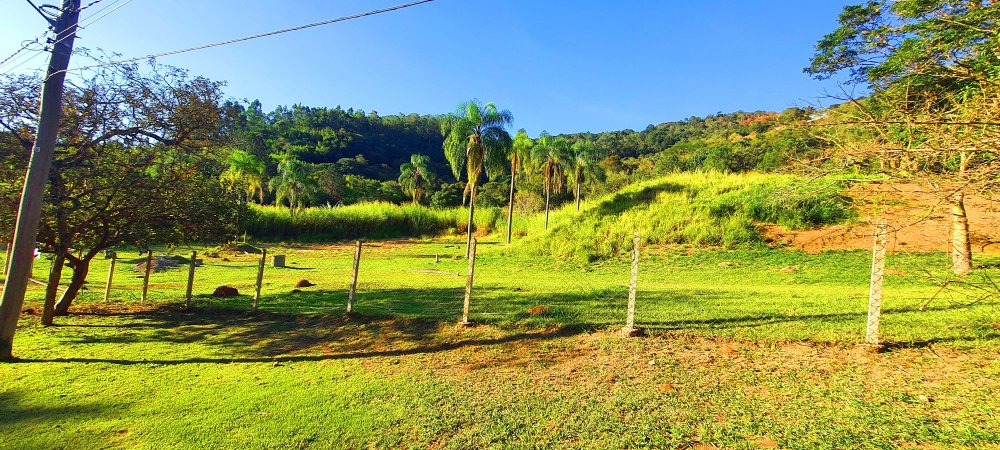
x=699 y=209
x=728 y=363
x=477 y=141
x=415 y=177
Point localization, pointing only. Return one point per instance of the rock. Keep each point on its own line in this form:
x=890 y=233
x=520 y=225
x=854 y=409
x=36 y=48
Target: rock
x=278 y=261
x=225 y=291
x=304 y=284
x=160 y=263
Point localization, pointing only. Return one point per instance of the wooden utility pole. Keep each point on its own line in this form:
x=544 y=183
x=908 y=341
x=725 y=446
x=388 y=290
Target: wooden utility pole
x=30 y=209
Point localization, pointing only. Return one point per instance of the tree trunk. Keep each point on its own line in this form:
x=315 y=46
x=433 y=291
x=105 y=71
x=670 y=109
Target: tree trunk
x=547 y=195
x=578 y=195
x=961 y=246
x=55 y=275
x=510 y=209
x=472 y=210
x=80 y=269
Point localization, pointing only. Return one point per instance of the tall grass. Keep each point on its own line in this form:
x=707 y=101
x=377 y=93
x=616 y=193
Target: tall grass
x=706 y=209
x=365 y=220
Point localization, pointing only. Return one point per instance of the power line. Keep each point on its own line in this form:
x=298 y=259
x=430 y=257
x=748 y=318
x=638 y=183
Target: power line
x=114 y=6
x=257 y=36
x=25 y=46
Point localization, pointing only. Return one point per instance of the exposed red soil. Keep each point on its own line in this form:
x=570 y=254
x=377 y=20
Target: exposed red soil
x=918 y=217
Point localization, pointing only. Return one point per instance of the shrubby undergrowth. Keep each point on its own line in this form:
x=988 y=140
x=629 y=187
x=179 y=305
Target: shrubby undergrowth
x=704 y=209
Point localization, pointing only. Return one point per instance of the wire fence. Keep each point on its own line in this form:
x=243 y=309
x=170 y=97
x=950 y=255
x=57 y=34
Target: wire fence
x=694 y=291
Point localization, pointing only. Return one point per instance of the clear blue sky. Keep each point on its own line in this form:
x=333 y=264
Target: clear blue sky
x=558 y=65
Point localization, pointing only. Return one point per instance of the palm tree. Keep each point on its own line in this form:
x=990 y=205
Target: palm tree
x=585 y=157
x=520 y=154
x=293 y=183
x=551 y=156
x=476 y=139
x=416 y=176
x=246 y=172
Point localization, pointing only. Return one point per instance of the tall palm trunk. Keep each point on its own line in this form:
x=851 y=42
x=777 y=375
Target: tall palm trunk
x=578 y=192
x=510 y=207
x=80 y=268
x=55 y=274
x=547 y=195
x=961 y=246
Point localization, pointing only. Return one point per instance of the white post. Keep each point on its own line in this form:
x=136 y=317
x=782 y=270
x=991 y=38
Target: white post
x=875 y=294
x=190 y=285
x=630 y=330
x=260 y=278
x=354 y=278
x=145 y=278
x=111 y=276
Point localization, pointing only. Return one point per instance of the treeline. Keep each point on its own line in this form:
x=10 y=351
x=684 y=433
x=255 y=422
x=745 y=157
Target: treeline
x=352 y=156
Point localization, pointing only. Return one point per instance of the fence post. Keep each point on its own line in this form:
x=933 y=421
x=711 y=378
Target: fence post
x=190 y=285
x=145 y=277
x=260 y=278
x=630 y=330
x=468 y=284
x=111 y=277
x=354 y=278
x=875 y=293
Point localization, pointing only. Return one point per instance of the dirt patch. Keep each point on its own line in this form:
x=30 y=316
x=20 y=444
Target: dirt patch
x=918 y=217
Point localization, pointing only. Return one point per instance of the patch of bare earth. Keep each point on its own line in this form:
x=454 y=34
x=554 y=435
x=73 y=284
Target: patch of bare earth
x=919 y=220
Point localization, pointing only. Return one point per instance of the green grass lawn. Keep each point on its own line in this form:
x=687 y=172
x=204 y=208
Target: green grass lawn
x=740 y=355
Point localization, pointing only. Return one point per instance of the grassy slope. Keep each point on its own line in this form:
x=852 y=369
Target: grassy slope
x=743 y=356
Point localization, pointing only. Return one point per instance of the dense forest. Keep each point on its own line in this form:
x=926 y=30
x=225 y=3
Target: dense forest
x=353 y=156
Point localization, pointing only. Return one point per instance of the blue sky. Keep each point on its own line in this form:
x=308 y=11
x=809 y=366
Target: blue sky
x=559 y=65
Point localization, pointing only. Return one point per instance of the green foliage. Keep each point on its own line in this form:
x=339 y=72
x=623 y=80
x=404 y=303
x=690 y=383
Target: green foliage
x=245 y=172
x=373 y=220
x=294 y=183
x=477 y=140
x=702 y=209
x=416 y=177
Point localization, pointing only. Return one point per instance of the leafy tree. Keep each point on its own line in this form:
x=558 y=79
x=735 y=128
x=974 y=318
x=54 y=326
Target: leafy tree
x=293 y=183
x=246 y=173
x=584 y=159
x=359 y=189
x=134 y=165
x=931 y=67
x=476 y=139
x=551 y=157
x=415 y=177
x=520 y=154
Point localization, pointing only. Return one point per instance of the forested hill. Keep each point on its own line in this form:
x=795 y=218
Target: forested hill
x=355 y=142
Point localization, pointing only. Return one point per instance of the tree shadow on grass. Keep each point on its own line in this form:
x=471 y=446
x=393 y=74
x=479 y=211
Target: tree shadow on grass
x=311 y=326
x=13 y=412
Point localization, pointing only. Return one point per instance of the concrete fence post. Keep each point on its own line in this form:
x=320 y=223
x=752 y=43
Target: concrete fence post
x=468 y=284
x=354 y=278
x=630 y=330
x=190 y=284
x=145 y=277
x=111 y=277
x=260 y=278
x=875 y=293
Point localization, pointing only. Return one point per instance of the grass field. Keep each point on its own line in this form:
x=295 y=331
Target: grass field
x=741 y=354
